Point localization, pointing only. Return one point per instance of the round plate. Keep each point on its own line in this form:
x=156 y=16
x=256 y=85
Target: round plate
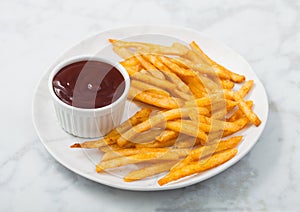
x=83 y=162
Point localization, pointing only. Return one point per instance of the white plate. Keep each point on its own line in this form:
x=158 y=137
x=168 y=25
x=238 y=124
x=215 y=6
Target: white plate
x=83 y=162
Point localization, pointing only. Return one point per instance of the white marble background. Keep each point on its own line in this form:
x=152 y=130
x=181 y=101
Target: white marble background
x=34 y=33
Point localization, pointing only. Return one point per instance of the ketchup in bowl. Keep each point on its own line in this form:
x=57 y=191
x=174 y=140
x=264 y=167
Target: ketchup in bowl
x=88 y=84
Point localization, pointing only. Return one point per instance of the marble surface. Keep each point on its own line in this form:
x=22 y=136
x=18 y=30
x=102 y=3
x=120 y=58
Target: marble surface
x=34 y=33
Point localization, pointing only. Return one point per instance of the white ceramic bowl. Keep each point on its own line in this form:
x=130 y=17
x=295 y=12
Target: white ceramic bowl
x=89 y=123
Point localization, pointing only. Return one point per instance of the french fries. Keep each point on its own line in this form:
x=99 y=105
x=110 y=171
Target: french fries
x=149 y=48
x=130 y=151
x=157 y=144
x=204 y=151
x=155 y=98
x=149 y=171
x=183 y=126
x=166 y=135
x=176 y=69
x=198 y=166
x=138 y=158
x=244 y=107
x=147 y=87
x=196 y=103
x=153 y=121
x=238 y=113
x=187 y=142
x=233 y=76
x=154 y=81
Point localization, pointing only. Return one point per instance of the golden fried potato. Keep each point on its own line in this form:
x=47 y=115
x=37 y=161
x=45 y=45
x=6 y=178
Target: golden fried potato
x=198 y=166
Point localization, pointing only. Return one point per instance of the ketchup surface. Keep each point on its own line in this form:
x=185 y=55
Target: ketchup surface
x=88 y=84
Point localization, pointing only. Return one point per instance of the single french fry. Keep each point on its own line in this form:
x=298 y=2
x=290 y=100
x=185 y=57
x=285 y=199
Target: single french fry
x=199 y=166
x=197 y=58
x=156 y=62
x=180 y=46
x=233 y=76
x=219 y=105
x=182 y=126
x=175 y=68
x=227 y=84
x=145 y=86
x=197 y=89
x=159 y=93
x=182 y=95
x=145 y=63
x=230 y=104
x=187 y=143
x=157 y=74
x=245 y=108
x=238 y=113
x=149 y=48
x=114 y=134
x=201 y=68
x=122 y=52
x=147 y=136
x=213 y=125
x=154 y=98
x=153 y=121
x=196 y=85
x=202 y=111
x=180 y=62
x=114 y=147
x=131 y=70
x=194 y=125
x=149 y=171
x=181 y=152
x=218 y=113
x=204 y=151
x=109 y=148
x=246 y=87
x=209 y=84
x=166 y=135
x=164 y=84
x=198 y=111
x=137 y=118
x=220 y=125
x=157 y=144
x=206 y=100
x=130 y=151
x=110 y=138
x=179 y=83
x=111 y=40
x=131 y=61
x=241 y=122
x=191 y=55
x=138 y=158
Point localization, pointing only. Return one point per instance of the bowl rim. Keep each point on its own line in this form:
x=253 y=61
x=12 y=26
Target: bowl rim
x=79 y=58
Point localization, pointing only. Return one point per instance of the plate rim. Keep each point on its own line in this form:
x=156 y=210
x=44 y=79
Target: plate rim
x=174 y=185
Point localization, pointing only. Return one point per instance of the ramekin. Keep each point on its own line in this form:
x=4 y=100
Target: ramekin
x=89 y=123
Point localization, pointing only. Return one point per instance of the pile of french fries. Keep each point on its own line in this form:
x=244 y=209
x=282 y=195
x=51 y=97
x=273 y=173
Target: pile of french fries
x=194 y=107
